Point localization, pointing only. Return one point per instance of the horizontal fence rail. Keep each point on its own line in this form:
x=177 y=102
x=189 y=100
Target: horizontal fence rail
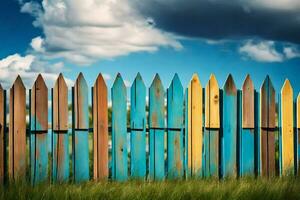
x=179 y=133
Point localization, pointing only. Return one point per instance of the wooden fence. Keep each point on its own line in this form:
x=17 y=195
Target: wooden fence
x=199 y=132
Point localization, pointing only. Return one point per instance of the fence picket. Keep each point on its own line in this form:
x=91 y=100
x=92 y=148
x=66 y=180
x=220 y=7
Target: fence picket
x=100 y=123
x=39 y=131
x=298 y=133
x=156 y=132
x=17 y=131
x=267 y=133
x=247 y=129
x=175 y=152
x=119 y=130
x=212 y=126
x=287 y=129
x=2 y=135
x=60 y=137
x=194 y=126
x=138 y=128
x=80 y=139
x=229 y=133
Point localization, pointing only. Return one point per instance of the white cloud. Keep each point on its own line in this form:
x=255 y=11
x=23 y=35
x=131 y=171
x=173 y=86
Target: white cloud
x=37 y=44
x=276 y=4
x=262 y=51
x=28 y=67
x=291 y=52
x=85 y=31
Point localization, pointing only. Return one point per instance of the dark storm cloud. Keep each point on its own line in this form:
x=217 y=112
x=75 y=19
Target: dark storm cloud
x=220 y=19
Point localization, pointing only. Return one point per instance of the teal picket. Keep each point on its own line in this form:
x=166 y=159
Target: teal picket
x=247 y=106
x=119 y=130
x=80 y=140
x=229 y=134
x=156 y=132
x=39 y=131
x=138 y=129
x=175 y=121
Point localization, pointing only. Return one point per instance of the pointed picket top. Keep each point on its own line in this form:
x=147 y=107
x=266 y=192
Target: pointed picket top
x=248 y=103
x=118 y=82
x=229 y=86
x=176 y=85
x=100 y=81
x=195 y=80
x=157 y=95
x=40 y=82
x=19 y=83
x=80 y=80
x=287 y=88
x=60 y=81
x=81 y=103
x=138 y=80
x=212 y=101
x=298 y=111
x=157 y=82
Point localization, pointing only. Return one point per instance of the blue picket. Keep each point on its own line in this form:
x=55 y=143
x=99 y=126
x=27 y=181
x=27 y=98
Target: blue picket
x=138 y=128
x=175 y=121
x=80 y=140
x=156 y=132
x=229 y=134
x=119 y=130
x=39 y=129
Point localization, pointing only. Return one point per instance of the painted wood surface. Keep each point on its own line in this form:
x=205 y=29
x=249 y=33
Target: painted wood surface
x=17 y=131
x=175 y=157
x=156 y=132
x=100 y=124
x=2 y=135
x=229 y=132
x=212 y=126
x=287 y=129
x=194 y=121
x=60 y=137
x=80 y=139
x=119 y=130
x=247 y=129
x=298 y=133
x=39 y=131
x=138 y=129
x=267 y=133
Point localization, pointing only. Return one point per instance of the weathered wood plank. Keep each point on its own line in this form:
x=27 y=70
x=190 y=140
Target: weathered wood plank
x=175 y=121
x=194 y=128
x=60 y=137
x=119 y=130
x=138 y=127
x=247 y=135
x=2 y=135
x=212 y=124
x=100 y=123
x=287 y=129
x=39 y=131
x=156 y=134
x=298 y=133
x=17 y=131
x=80 y=130
x=229 y=136
x=267 y=123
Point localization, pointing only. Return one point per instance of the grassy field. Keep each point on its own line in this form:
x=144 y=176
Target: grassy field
x=284 y=188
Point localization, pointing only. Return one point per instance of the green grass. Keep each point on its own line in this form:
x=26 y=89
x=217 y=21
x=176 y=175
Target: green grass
x=284 y=188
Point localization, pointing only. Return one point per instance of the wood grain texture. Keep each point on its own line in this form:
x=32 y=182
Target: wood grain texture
x=194 y=129
x=60 y=137
x=175 y=152
x=156 y=134
x=229 y=134
x=100 y=123
x=17 y=131
x=2 y=136
x=80 y=138
x=248 y=103
x=212 y=125
x=119 y=130
x=39 y=131
x=212 y=102
x=287 y=129
x=267 y=134
x=138 y=126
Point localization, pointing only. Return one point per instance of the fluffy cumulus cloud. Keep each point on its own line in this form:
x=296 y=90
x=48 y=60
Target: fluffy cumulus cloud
x=85 y=31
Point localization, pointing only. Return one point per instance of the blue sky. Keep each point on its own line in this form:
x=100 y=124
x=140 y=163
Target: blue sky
x=72 y=36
